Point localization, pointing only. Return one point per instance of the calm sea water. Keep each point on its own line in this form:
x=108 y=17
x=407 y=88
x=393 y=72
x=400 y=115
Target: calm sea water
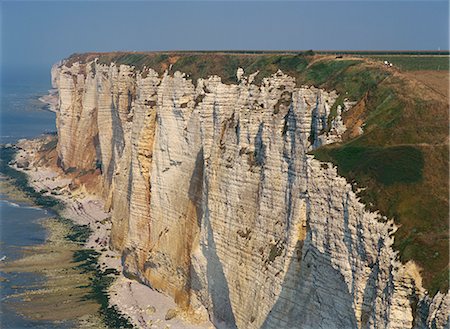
x=19 y=228
x=21 y=116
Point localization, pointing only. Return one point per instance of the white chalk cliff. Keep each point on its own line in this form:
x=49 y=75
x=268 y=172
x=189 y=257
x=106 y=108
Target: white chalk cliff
x=215 y=200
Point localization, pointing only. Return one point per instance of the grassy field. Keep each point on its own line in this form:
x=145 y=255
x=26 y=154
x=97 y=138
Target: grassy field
x=402 y=156
x=416 y=63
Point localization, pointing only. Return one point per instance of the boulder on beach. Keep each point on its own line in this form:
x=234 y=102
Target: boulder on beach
x=22 y=163
x=171 y=313
x=151 y=310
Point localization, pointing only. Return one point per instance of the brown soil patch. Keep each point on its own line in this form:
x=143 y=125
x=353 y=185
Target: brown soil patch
x=91 y=181
x=354 y=119
x=438 y=81
x=172 y=60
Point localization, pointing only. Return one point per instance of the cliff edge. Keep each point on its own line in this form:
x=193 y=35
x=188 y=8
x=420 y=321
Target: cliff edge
x=210 y=169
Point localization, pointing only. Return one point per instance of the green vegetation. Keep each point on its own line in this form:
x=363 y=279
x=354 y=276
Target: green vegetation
x=354 y=79
x=137 y=60
x=77 y=233
x=323 y=71
x=202 y=65
x=87 y=260
x=416 y=63
x=385 y=165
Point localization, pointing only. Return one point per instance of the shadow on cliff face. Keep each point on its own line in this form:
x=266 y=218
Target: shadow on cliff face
x=117 y=142
x=368 y=316
x=158 y=259
x=313 y=295
x=218 y=286
x=196 y=186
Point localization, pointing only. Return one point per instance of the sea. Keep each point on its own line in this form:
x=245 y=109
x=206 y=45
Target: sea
x=22 y=115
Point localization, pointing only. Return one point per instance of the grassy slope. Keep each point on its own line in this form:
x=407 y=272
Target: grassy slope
x=402 y=157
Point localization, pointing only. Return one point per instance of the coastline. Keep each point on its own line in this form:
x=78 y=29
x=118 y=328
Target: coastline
x=142 y=306
x=59 y=297
x=50 y=100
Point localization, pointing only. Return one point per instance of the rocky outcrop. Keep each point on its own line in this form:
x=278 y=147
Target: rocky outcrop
x=215 y=200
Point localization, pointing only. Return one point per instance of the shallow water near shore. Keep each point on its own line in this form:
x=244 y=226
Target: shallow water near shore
x=20 y=229
x=47 y=274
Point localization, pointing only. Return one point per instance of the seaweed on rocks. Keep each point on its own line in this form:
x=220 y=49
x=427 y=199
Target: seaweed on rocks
x=86 y=260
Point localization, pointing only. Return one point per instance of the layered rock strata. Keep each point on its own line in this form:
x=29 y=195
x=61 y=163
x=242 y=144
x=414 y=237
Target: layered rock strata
x=215 y=200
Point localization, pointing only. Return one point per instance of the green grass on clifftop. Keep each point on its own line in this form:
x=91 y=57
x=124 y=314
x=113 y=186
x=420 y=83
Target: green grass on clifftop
x=416 y=63
x=385 y=165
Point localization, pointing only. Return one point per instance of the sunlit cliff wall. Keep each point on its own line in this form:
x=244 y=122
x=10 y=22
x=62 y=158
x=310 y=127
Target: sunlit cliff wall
x=215 y=200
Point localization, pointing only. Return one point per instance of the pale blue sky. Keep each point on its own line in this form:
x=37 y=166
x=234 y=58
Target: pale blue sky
x=37 y=34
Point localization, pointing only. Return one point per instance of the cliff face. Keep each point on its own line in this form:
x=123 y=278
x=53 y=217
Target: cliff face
x=215 y=200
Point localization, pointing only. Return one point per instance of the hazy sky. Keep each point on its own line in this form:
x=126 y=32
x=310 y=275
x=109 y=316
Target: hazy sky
x=37 y=34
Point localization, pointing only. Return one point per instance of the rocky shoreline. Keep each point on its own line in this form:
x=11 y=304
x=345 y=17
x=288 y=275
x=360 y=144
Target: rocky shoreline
x=142 y=306
x=50 y=100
